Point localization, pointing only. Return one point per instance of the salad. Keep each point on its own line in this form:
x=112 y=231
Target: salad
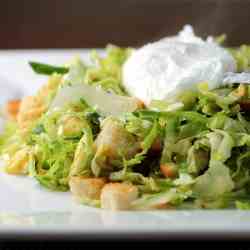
x=84 y=132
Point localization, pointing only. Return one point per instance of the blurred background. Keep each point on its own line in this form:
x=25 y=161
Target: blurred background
x=93 y=23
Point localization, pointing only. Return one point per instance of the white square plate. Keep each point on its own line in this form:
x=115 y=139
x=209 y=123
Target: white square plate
x=28 y=210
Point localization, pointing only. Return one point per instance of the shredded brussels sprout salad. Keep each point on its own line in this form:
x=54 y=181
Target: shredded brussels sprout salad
x=82 y=133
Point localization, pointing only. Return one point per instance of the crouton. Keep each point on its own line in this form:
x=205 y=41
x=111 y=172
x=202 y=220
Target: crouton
x=31 y=109
x=89 y=188
x=140 y=104
x=71 y=126
x=118 y=196
x=11 y=109
x=18 y=164
x=169 y=170
x=112 y=142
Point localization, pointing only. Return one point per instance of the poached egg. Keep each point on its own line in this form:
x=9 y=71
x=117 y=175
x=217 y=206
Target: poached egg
x=161 y=70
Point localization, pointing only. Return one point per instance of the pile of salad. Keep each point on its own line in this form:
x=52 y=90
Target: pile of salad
x=82 y=132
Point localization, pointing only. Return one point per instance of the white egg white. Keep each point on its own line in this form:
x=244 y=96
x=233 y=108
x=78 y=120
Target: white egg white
x=160 y=70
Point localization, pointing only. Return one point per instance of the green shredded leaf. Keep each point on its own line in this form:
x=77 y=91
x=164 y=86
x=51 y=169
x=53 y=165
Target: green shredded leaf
x=191 y=151
x=83 y=154
x=152 y=201
x=145 y=145
x=221 y=39
x=215 y=182
x=221 y=145
x=10 y=140
x=46 y=69
x=242 y=205
x=107 y=70
x=242 y=57
x=76 y=72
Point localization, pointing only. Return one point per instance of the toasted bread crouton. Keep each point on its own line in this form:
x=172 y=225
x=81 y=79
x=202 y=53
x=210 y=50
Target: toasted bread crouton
x=115 y=137
x=112 y=142
x=118 y=196
x=18 y=164
x=11 y=109
x=169 y=170
x=53 y=82
x=31 y=109
x=139 y=104
x=89 y=188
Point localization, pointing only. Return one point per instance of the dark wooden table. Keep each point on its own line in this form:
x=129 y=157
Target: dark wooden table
x=94 y=23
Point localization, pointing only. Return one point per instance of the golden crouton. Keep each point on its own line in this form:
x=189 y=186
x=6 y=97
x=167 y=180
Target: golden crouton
x=112 y=142
x=32 y=107
x=71 y=126
x=118 y=196
x=169 y=170
x=18 y=164
x=11 y=109
x=89 y=188
x=49 y=88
